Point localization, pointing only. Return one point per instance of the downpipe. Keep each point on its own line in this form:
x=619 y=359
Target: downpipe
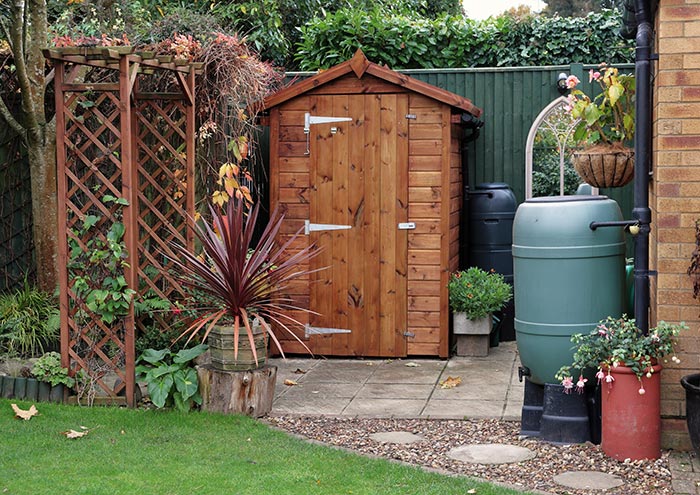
x=642 y=163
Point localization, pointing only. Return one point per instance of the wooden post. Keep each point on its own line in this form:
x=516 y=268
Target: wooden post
x=249 y=392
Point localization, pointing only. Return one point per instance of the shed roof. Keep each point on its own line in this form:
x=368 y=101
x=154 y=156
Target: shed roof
x=360 y=65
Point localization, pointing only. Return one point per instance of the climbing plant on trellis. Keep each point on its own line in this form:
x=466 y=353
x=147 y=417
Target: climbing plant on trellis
x=125 y=160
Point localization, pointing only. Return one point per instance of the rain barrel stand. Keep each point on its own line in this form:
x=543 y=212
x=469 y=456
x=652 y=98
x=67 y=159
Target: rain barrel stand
x=531 y=420
x=564 y=416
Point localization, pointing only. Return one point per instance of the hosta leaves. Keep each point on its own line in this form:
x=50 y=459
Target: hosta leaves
x=186 y=383
x=159 y=389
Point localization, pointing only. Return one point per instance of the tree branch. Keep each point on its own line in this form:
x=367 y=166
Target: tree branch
x=18 y=21
x=11 y=121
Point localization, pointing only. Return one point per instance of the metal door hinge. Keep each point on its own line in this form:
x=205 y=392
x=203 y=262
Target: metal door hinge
x=411 y=116
x=315 y=227
x=309 y=330
x=407 y=225
x=310 y=120
x=410 y=335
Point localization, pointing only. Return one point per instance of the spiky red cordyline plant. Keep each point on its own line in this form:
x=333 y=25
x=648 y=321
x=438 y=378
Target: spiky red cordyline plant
x=248 y=281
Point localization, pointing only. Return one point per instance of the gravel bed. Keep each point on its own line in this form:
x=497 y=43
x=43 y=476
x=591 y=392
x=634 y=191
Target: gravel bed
x=441 y=436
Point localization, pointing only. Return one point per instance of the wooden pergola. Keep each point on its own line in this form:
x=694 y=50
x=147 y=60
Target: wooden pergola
x=118 y=137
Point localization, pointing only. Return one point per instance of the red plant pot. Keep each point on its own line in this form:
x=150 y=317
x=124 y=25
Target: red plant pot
x=631 y=421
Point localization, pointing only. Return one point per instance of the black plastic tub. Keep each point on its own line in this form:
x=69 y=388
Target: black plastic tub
x=691 y=384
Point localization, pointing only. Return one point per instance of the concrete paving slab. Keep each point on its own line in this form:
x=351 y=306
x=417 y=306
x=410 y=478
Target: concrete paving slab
x=309 y=405
x=513 y=410
x=384 y=408
x=491 y=453
x=402 y=437
x=323 y=390
x=392 y=373
x=588 y=480
x=464 y=391
x=461 y=409
x=395 y=391
x=340 y=371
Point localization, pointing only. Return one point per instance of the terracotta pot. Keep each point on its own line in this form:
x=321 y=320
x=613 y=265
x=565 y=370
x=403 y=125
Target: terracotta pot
x=631 y=421
x=605 y=165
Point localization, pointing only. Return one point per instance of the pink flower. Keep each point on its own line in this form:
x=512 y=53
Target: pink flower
x=177 y=311
x=641 y=390
x=609 y=378
x=602 y=330
x=572 y=81
x=600 y=376
x=593 y=75
x=580 y=384
x=568 y=384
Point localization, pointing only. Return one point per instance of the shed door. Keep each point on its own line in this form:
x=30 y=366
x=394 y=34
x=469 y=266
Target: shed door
x=359 y=178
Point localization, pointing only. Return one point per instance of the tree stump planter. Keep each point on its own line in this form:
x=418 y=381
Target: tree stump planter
x=248 y=392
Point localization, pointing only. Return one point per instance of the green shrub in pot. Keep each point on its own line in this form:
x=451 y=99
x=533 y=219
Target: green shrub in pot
x=478 y=293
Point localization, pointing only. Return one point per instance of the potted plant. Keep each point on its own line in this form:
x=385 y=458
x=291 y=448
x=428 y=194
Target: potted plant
x=628 y=364
x=474 y=296
x=239 y=289
x=606 y=127
x=53 y=378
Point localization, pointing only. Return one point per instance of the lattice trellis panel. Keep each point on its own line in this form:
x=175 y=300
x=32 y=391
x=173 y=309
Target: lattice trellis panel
x=163 y=179
x=126 y=190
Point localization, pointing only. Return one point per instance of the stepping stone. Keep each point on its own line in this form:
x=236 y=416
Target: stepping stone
x=588 y=480
x=491 y=453
x=402 y=437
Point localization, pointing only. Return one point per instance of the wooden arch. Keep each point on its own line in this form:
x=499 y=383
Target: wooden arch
x=124 y=156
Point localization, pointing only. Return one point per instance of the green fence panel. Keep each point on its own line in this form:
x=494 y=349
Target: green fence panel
x=511 y=98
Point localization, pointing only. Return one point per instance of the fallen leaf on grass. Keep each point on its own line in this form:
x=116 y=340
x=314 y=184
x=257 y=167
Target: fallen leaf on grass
x=450 y=382
x=75 y=434
x=411 y=364
x=290 y=383
x=25 y=415
x=471 y=490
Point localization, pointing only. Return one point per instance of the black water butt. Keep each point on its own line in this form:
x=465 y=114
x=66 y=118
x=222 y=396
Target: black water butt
x=691 y=384
x=492 y=207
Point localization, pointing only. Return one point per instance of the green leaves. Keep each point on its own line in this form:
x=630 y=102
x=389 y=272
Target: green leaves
x=171 y=380
x=407 y=41
x=478 y=293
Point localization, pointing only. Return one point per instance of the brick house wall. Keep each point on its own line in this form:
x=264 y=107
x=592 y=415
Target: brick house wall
x=675 y=198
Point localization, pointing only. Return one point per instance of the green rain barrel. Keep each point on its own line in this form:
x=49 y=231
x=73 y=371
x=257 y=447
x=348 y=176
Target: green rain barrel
x=567 y=276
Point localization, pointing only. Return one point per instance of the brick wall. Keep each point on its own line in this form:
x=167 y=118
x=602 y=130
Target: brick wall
x=675 y=197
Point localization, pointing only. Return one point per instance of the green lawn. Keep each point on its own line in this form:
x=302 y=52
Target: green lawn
x=156 y=452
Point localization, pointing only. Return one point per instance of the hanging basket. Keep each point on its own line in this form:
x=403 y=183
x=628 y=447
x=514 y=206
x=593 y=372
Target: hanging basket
x=605 y=165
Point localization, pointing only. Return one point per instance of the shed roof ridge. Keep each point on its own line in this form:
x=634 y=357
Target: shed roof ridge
x=360 y=65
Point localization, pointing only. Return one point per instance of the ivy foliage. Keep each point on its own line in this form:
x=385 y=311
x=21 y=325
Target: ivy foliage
x=408 y=42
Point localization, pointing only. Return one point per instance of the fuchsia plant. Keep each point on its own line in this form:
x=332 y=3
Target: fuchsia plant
x=618 y=342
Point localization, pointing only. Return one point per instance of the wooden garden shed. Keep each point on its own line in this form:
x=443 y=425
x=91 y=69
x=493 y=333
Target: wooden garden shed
x=368 y=161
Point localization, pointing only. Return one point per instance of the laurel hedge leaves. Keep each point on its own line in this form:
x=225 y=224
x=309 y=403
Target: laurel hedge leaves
x=404 y=42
